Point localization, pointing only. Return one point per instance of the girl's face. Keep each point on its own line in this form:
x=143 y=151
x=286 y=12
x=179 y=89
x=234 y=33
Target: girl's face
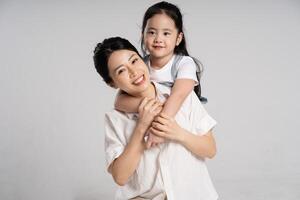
x=128 y=72
x=161 y=36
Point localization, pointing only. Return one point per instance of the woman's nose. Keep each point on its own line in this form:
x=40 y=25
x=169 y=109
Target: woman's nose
x=132 y=73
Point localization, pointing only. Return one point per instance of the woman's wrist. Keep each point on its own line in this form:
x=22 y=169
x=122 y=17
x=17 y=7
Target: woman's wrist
x=142 y=127
x=183 y=135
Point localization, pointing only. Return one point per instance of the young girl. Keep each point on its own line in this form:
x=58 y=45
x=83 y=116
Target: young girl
x=164 y=41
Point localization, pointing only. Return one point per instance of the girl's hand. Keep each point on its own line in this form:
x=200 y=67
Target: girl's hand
x=148 y=109
x=167 y=128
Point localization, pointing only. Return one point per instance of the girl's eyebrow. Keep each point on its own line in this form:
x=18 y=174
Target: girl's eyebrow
x=122 y=64
x=164 y=29
x=167 y=29
x=151 y=28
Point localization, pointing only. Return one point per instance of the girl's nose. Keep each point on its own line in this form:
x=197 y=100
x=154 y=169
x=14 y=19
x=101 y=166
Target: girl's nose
x=157 y=38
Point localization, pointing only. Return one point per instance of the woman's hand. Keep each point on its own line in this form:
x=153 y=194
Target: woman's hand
x=148 y=109
x=166 y=127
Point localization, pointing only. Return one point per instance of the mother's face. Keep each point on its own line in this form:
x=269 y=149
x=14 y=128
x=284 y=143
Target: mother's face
x=128 y=72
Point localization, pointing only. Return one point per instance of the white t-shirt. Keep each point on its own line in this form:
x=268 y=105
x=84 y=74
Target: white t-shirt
x=186 y=70
x=168 y=169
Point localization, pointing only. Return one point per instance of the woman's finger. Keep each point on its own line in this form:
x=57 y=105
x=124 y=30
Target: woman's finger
x=143 y=103
x=161 y=120
x=155 y=106
x=149 y=104
x=159 y=126
x=165 y=116
x=159 y=133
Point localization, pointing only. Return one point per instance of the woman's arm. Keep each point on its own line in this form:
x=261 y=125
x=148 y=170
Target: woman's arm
x=125 y=165
x=180 y=90
x=126 y=103
x=201 y=145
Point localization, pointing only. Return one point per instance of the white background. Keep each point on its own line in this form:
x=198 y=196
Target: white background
x=53 y=101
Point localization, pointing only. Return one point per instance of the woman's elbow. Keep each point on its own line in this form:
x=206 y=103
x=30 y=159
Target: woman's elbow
x=120 y=180
x=212 y=153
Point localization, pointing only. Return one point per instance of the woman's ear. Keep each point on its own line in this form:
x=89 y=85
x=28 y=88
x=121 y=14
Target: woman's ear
x=111 y=84
x=179 y=38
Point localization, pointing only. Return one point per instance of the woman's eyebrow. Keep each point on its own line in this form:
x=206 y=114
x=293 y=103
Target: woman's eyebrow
x=131 y=57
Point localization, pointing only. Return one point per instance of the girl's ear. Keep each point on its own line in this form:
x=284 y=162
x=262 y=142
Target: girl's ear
x=179 y=38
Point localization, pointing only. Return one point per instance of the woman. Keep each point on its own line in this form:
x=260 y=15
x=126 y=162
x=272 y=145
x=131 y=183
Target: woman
x=174 y=169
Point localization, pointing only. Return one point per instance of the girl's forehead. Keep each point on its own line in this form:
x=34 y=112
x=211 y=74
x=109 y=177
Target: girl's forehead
x=161 y=20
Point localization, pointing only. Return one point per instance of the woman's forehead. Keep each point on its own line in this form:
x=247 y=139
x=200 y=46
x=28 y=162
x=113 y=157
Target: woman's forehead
x=120 y=57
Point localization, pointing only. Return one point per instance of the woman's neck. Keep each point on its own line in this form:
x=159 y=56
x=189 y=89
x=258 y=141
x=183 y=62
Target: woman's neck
x=150 y=92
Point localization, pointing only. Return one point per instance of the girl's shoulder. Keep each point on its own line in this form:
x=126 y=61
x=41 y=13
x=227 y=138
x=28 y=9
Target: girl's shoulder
x=185 y=60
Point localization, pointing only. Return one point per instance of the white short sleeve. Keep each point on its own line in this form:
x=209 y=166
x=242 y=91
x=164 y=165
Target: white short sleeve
x=201 y=121
x=113 y=143
x=187 y=69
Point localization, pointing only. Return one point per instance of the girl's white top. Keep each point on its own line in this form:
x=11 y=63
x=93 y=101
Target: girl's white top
x=186 y=70
x=168 y=169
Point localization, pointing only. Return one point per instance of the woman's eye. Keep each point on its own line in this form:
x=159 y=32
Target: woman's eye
x=167 y=33
x=134 y=60
x=120 y=71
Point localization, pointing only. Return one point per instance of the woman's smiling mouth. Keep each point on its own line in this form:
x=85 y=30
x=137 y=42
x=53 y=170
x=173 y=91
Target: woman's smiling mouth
x=139 y=81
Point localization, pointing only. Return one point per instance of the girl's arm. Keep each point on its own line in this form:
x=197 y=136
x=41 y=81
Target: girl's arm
x=125 y=165
x=180 y=90
x=201 y=145
x=127 y=103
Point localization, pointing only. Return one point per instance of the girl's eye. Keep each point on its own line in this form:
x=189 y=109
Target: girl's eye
x=151 y=32
x=167 y=33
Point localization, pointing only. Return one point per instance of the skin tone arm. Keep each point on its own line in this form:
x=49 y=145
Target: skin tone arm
x=125 y=165
x=201 y=145
x=180 y=90
x=128 y=104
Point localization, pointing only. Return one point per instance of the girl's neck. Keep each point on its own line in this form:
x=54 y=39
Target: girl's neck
x=158 y=63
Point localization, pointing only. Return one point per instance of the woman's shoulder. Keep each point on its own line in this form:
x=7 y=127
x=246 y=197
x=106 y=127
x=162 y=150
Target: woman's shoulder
x=116 y=116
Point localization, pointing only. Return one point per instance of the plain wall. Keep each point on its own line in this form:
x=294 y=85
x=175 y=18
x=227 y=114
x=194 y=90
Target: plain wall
x=53 y=101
